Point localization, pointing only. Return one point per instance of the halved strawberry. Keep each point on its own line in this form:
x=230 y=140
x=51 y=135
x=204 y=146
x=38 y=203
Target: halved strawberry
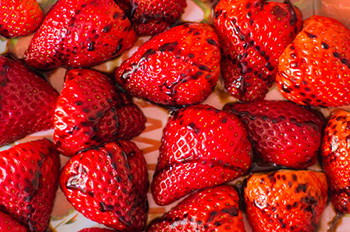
x=314 y=69
x=80 y=34
x=336 y=158
x=27 y=101
x=92 y=110
x=28 y=183
x=285 y=200
x=282 y=132
x=201 y=147
x=212 y=209
x=253 y=34
x=19 y=18
x=180 y=66
x=109 y=185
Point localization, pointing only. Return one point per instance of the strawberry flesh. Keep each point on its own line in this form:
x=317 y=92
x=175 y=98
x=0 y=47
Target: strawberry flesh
x=201 y=147
x=108 y=184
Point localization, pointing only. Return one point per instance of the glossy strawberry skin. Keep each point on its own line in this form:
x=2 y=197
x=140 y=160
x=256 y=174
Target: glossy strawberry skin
x=335 y=158
x=108 y=184
x=201 y=147
x=80 y=34
x=250 y=46
x=282 y=132
x=180 y=66
x=314 y=69
x=30 y=179
x=27 y=101
x=91 y=110
x=212 y=209
x=9 y=224
x=150 y=17
x=19 y=18
x=285 y=200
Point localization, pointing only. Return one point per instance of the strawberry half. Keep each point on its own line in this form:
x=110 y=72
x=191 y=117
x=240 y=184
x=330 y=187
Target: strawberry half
x=29 y=180
x=180 y=66
x=27 y=101
x=212 y=209
x=80 y=33
x=336 y=159
x=285 y=200
x=9 y=224
x=150 y=17
x=19 y=18
x=108 y=184
x=282 y=132
x=314 y=69
x=201 y=147
x=253 y=34
x=92 y=110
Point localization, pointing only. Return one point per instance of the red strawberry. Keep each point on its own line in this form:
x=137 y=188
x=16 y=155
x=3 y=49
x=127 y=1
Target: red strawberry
x=108 y=184
x=213 y=209
x=201 y=147
x=91 y=110
x=314 y=69
x=180 y=66
x=253 y=34
x=336 y=158
x=95 y=229
x=29 y=177
x=19 y=18
x=285 y=200
x=27 y=101
x=80 y=34
x=283 y=133
x=150 y=17
x=7 y=223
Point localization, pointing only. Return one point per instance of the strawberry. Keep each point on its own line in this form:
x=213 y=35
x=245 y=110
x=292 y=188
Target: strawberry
x=27 y=101
x=80 y=33
x=91 y=110
x=250 y=46
x=95 y=229
x=7 y=223
x=201 y=147
x=150 y=17
x=29 y=179
x=19 y=18
x=108 y=184
x=212 y=209
x=180 y=66
x=285 y=200
x=282 y=132
x=336 y=158
x=314 y=69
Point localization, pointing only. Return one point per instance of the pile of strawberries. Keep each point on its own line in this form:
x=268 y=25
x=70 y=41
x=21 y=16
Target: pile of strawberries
x=251 y=45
